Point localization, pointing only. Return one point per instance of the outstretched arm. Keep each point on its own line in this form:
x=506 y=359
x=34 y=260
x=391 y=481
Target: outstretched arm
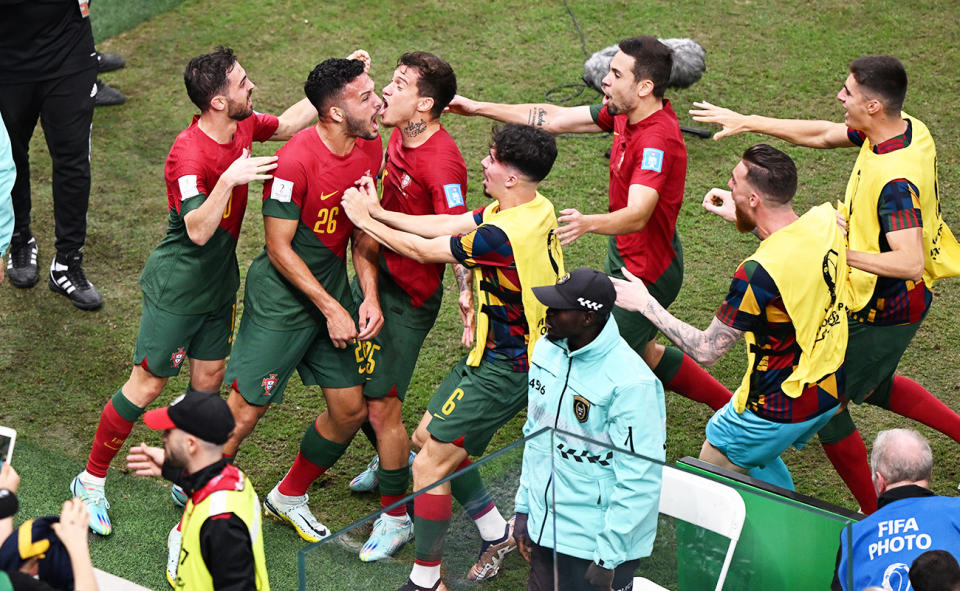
x=641 y=201
x=424 y=250
x=550 y=117
x=704 y=346
x=428 y=226
x=802 y=132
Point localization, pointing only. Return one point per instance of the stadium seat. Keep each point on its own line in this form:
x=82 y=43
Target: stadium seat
x=704 y=503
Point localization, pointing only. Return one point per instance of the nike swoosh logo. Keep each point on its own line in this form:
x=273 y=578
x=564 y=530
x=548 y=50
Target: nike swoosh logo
x=324 y=197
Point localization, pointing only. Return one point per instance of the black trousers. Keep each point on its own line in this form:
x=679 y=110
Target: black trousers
x=571 y=571
x=64 y=107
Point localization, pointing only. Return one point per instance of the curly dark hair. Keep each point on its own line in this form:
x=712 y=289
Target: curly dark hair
x=327 y=80
x=530 y=150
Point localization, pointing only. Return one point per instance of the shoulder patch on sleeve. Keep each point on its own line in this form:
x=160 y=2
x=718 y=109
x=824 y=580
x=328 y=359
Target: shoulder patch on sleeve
x=188 y=186
x=454 y=195
x=652 y=159
x=282 y=190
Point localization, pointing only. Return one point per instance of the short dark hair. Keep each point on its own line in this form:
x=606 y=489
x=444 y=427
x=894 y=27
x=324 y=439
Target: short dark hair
x=436 y=78
x=771 y=172
x=327 y=80
x=530 y=150
x=206 y=75
x=935 y=570
x=883 y=76
x=652 y=61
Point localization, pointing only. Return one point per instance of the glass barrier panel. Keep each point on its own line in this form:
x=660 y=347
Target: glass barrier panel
x=717 y=526
x=333 y=564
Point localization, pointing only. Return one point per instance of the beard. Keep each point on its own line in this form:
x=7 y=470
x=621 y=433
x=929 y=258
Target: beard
x=239 y=111
x=357 y=127
x=744 y=223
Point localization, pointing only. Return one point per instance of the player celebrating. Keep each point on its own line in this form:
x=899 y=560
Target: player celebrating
x=897 y=242
x=511 y=247
x=423 y=174
x=298 y=310
x=648 y=167
x=190 y=280
x=787 y=301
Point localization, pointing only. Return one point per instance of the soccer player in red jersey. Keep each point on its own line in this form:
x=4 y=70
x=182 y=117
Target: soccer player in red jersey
x=190 y=280
x=299 y=312
x=648 y=166
x=423 y=174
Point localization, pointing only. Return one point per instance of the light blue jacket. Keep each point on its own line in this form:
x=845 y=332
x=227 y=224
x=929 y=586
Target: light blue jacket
x=606 y=501
x=8 y=174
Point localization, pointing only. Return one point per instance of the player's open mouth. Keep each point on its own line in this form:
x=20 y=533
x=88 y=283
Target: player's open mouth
x=606 y=99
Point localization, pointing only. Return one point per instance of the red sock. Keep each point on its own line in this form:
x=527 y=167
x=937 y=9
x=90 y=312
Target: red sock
x=112 y=432
x=693 y=382
x=911 y=400
x=849 y=458
x=399 y=510
x=300 y=476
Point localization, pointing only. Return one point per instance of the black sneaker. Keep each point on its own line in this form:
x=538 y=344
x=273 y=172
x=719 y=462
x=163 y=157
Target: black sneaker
x=67 y=278
x=22 y=263
x=108 y=62
x=107 y=96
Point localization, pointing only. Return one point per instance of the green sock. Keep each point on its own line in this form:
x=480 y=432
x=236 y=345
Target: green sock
x=319 y=450
x=669 y=365
x=125 y=408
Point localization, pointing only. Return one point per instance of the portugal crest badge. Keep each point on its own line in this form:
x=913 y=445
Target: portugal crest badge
x=268 y=383
x=178 y=356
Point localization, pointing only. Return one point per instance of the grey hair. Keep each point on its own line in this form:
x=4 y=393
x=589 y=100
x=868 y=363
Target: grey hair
x=902 y=455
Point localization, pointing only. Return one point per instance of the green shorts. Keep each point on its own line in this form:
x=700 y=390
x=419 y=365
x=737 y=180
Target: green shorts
x=392 y=355
x=264 y=359
x=165 y=340
x=873 y=353
x=473 y=402
x=634 y=326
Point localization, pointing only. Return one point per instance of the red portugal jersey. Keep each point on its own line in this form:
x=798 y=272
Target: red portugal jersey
x=196 y=162
x=428 y=179
x=181 y=276
x=308 y=185
x=651 y=153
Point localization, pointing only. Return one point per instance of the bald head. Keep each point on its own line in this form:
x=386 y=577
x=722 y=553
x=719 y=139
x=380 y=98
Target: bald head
x=901 y=456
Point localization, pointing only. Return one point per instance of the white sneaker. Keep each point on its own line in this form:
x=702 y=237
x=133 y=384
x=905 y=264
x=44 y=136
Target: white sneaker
x=389 y=533
x=93 y=497
x=173 y=555
x=296 y=512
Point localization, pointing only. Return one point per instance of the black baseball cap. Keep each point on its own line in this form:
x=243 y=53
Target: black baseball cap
x=202 y=414
x=35 y=538
x=581 y=289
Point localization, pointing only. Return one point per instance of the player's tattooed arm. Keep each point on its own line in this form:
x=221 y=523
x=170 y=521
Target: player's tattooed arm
x=552 y=118
x=704 y=346
x=537 y=116
x=465 y=302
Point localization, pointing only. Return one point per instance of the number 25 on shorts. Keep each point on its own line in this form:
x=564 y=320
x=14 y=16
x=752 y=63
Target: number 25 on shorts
x=364 y=354
x=451 y=402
